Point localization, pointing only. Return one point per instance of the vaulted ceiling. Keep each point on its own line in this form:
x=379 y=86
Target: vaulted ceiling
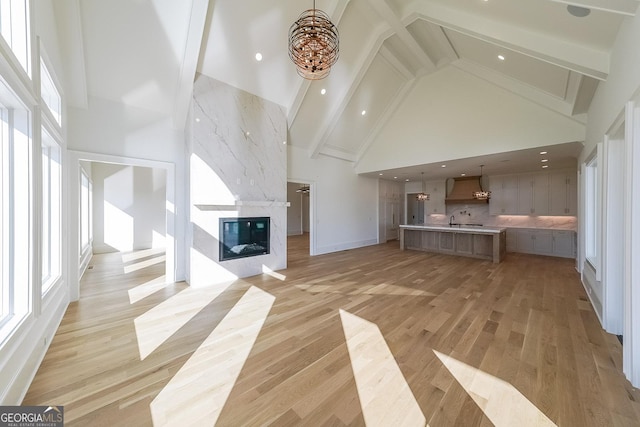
x=146 y=52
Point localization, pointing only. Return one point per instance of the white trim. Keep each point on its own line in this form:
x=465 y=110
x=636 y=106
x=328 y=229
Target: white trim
x=73 y=186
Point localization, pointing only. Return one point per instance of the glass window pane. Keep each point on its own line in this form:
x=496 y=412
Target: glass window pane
x=14 y=28
x=50 y=94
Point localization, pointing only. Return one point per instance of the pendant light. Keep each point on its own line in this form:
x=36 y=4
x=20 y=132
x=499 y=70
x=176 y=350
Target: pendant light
x=313 y=44
x=482 y=194
x=423 y=196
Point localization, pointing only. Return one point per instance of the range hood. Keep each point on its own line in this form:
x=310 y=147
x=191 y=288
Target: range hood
x=461 y=189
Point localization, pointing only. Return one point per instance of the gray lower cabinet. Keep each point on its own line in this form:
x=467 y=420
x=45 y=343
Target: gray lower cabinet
x=560 y=243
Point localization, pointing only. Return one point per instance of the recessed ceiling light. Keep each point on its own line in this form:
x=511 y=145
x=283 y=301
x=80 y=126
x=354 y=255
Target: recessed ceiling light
x=543 y=152
x=544 y=160
x=323 y=91
x=380 y=174
x=464 y=174
x=545 y=166
x=395 y=177
x=501 y=57
x=407 y=180
x=197 y=119
x=364 y=112
x=577 y=11
x=443 y=166
x=284 y=142
x=258 y=57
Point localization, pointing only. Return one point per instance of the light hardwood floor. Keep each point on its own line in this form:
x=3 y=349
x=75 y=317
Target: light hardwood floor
x=375 y=334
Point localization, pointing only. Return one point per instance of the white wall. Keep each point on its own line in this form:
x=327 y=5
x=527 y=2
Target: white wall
x=452 y=114
x=608 y=105
x=345 y=205
x=115 y=129
x=128 y=207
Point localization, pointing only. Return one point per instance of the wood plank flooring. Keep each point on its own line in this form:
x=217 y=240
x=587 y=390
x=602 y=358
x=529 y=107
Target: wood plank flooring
x=450 y=341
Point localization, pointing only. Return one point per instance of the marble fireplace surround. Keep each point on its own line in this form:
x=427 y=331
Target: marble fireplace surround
x=237 y=168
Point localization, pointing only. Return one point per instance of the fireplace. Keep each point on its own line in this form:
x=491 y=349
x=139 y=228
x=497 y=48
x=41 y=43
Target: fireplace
x=244 y=237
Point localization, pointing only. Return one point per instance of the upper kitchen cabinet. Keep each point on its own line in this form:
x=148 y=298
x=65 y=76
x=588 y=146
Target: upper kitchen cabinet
x=533 y=194
x=541 y=193
x=563 y=194
x=437 y=192
x=504 y=195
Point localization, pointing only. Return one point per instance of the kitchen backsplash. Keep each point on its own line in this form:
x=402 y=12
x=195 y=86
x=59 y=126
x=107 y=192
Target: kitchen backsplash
x=479 y=214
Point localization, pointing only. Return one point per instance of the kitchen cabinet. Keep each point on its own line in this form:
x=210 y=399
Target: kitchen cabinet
x=560 y=243
x=540 y=193
x=563 y=193
x=435 y=204
x=533 y=194
x=389 y=209
x=504 y=195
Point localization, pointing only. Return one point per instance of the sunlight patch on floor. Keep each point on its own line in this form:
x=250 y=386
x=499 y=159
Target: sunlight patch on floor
x=156 y=325
x=143 y=290
x=144 y=264
x=501 y=402
x=142 y=253
x=266 y=270
x=385 y=395
x=198 y=392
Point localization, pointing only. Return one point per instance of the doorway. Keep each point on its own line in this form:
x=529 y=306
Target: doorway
x=415 y=209
x=300 y=224
x=118 y=176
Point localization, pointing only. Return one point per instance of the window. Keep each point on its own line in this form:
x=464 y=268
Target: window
x=14 y=27
x=49 y=93
x=591 y=216
x=51 y=211
x=86 y=195
x=15 y=196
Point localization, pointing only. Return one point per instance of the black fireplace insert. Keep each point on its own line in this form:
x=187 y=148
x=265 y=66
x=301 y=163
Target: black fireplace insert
x=244 y=237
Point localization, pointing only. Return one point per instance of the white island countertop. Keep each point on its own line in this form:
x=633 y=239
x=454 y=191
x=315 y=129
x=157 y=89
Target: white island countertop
x=456 y=228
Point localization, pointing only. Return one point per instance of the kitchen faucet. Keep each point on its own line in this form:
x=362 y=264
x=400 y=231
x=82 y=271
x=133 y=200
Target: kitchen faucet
x=451 y=219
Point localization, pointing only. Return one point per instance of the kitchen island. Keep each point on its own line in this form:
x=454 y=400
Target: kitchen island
x=476 y=242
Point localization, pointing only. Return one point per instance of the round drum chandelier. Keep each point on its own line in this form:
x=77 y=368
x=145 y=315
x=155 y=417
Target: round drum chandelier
x=313 y=44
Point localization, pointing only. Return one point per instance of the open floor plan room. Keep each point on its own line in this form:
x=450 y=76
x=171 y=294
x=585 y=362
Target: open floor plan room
x=373 y=336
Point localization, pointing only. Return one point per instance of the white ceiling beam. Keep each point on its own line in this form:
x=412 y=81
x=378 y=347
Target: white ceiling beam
x=622 y=7
x=398 y=65
x=68 y=15
x=331 y=119
x=403 y=34
x=303 y=85
x=573 y=87
x=338 y=153
x=572 y=56
x=184 y=85
x=443 y=41
x=526 y=91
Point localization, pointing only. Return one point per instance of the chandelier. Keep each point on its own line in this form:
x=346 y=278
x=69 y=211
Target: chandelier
x=313 y=44
x=423 y=196
x=482 y=194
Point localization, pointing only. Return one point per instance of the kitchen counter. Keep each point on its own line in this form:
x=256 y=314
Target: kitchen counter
x=476 y=242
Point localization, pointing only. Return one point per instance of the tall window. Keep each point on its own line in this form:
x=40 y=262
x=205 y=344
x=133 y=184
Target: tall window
x=14 y=27
x=15 y=196
x=591 y=216
x=49 y=93
x=86 y=195
x=51 y=211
